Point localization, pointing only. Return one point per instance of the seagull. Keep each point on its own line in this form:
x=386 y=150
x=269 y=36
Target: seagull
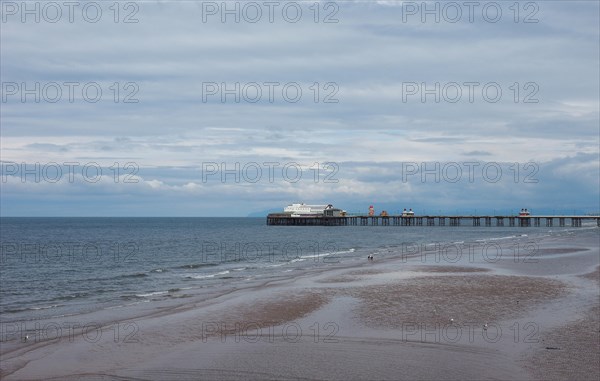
x=485 y=327
x=451 y=320
x=25 y=338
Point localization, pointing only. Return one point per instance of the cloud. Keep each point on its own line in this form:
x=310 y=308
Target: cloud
x=477 y=153
x=367 y=63
x=232 y=191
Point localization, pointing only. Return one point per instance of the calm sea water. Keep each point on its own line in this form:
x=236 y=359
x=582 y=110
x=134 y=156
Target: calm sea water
x=57 y=266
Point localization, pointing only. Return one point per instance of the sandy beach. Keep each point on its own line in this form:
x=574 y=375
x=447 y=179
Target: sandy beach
x=392 y=318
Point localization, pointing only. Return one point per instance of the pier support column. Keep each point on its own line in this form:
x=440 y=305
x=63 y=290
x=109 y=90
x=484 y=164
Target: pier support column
x=476 y=221
x=488 y=221
x=431 y=221
x=499 y=221
x=441 y=221
x=511 y=221
x=549 y=221
x=561 y=222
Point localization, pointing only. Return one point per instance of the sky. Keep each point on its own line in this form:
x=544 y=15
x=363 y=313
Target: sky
x=237 y=108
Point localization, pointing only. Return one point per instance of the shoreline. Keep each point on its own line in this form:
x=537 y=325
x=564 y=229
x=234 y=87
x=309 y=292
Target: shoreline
x=169 y=296
x=385 y=319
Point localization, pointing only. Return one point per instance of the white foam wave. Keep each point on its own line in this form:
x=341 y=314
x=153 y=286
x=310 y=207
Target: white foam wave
x=498 y=238
x=46 y=307
x=151 y=294
x=210 y=275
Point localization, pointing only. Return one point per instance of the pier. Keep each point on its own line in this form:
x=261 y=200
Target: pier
x=489 y=221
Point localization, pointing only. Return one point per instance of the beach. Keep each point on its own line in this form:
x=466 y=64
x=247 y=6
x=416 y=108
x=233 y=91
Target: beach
x=303 y=190
x=398 y=317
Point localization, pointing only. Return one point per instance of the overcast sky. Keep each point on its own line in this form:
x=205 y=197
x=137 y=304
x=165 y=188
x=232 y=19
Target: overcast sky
x=459 y=107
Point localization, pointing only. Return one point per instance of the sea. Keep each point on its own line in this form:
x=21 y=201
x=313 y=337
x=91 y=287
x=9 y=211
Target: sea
x=57 y=267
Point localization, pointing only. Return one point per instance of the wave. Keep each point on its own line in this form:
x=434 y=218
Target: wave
x=204 y=276
x=25 y=305
x=151 y=294
x=502 y=238
x=277 y=265
x=72 y=296
x=197 y=265
x=36 y=308
x=136 y=275
x=46 y=307
x=351 y=250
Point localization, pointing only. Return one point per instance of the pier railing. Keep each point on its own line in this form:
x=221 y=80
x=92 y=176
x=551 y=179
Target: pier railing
x=442 y=220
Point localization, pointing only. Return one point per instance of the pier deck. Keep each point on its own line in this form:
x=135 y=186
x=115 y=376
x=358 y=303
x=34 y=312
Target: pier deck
x=442 y=220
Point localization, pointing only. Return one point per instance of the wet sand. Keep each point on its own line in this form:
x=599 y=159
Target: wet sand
x=571 y=351
x=477 y=299
x=384 y=319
